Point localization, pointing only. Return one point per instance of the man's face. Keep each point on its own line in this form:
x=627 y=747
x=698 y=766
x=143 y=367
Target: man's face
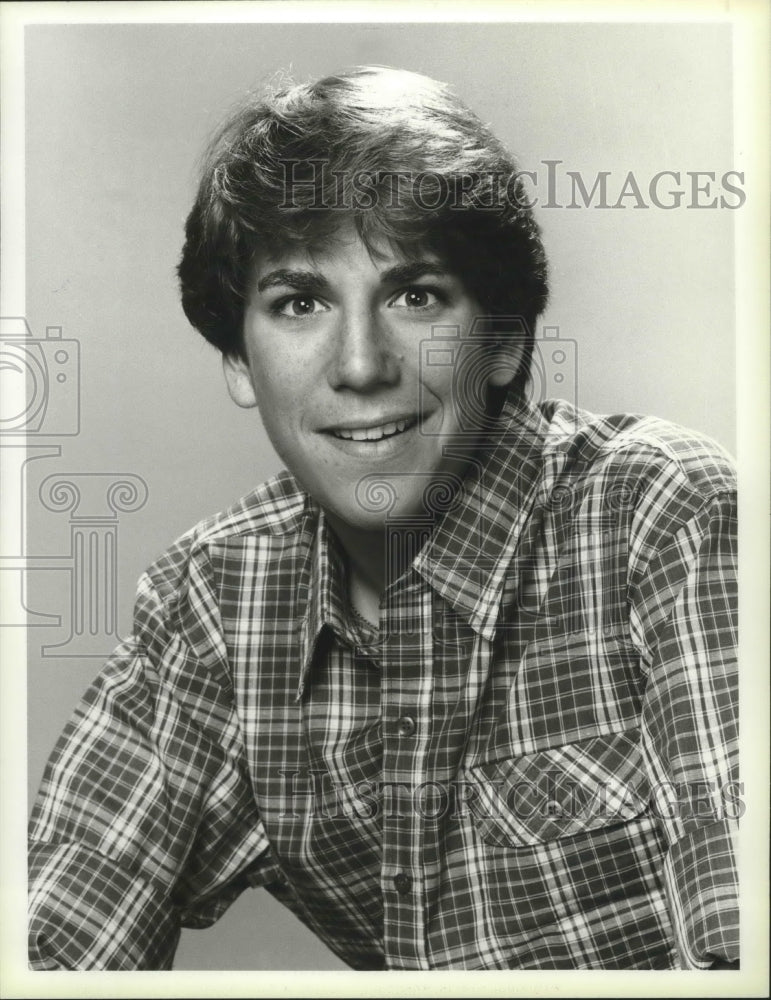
x=332 y=345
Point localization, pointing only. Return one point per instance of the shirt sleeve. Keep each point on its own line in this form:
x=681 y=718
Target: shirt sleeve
x=684 y=615
x=145 y=820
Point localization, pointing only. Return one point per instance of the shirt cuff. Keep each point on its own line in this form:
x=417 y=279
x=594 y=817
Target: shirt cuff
x=703 y=889
x=85 y=912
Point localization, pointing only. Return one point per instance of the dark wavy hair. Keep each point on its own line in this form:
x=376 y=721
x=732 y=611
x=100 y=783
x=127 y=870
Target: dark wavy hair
x=400 y=155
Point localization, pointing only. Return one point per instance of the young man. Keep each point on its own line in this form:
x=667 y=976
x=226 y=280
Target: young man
x=459 y=687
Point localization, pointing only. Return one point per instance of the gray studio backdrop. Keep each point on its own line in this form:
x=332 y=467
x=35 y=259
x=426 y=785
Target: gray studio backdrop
x=139 y=440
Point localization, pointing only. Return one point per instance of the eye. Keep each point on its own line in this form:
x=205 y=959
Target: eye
x=298 y=306
x=415 y=298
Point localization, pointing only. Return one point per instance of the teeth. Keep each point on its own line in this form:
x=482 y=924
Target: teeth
x=374 y=433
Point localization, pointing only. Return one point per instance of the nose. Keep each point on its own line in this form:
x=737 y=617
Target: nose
x=364 y=356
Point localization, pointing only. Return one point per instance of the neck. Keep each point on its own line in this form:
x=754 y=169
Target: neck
x=368 y=563
x=366 y=559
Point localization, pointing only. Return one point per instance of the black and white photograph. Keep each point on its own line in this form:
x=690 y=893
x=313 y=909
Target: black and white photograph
x=385 y=498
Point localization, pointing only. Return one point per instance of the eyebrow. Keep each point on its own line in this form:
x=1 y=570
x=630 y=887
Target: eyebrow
x=302 y=281
x=403 y=274
x=312 y=281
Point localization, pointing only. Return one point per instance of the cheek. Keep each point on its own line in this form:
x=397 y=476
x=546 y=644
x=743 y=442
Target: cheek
x=278 y=373
x=437 y=381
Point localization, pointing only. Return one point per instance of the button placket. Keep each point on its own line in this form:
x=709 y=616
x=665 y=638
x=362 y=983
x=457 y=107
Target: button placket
x=406 y=699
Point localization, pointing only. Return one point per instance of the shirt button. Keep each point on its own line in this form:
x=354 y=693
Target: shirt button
x=406 y=726
x=402 y=883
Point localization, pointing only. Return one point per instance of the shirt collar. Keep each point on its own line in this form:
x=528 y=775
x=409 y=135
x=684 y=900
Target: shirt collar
x=326 y=594
x=467 y=556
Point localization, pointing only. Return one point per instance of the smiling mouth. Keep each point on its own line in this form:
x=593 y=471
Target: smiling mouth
x=378 y=433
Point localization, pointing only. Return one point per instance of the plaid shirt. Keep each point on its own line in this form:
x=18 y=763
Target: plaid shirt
x=531 y=765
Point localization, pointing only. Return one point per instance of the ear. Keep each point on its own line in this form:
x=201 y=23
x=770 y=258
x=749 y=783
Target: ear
x=507 y=361
x=239 y=380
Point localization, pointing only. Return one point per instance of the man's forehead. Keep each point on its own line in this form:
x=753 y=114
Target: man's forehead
x=344 y=241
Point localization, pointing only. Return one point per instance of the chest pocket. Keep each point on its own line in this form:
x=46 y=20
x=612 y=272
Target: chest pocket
x=558 y=792
x=565 y=690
